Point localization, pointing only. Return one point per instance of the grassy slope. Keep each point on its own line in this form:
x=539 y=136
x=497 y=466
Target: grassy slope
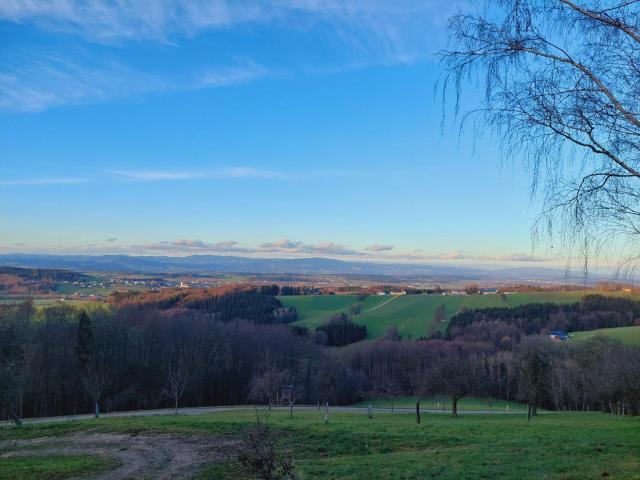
x=628 y=335
x=352 y=446
x=412 y=314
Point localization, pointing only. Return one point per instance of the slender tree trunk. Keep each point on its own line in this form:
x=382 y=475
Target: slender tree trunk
x=16 y=419
x=175 y=411
x=291 y=410
x=417 y=411
x=326 y=412
x=97 y=412
x=370 y=410
x=454 y=406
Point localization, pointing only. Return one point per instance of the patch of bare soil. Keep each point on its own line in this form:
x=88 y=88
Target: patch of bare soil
x=140 y=456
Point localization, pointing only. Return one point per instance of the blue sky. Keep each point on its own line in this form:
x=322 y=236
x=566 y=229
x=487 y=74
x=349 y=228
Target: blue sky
x=254 y=128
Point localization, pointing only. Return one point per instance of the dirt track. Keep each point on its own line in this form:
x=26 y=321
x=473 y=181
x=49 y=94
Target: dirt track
x=140 y=456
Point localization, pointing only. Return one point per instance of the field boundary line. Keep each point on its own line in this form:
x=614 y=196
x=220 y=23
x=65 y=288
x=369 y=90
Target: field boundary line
x=382 y=304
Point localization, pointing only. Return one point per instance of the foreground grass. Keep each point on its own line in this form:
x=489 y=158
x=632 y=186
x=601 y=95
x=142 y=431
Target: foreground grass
x=352 y=446
x=628 y=335
x=52 y=467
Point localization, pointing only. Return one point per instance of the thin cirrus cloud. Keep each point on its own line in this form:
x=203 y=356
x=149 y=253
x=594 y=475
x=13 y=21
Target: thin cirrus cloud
x=238 y=173
x=36 y=77
x=116 y=22
x=33 y=81
x=219 y=173
x=42 y=181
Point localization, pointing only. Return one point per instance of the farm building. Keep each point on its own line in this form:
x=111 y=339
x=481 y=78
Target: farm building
x=559 y=335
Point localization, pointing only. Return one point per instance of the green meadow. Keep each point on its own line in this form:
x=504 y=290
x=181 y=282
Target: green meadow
x=627 y=335
x=411 y=314
x=388 y=446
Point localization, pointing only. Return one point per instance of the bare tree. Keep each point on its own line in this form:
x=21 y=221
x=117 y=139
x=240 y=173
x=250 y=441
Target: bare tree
x=267 y=386
x=262 y=453
x=419 y=378
x=96 y=378
x=562 y=88
x=457 y=374
x=533 y=362
x=178 y=378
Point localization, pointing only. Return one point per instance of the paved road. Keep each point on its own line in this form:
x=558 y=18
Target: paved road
x=201 y=410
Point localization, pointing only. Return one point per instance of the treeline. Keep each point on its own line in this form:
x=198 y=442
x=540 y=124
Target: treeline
x=60 y=361
x=591 y=313
x=24 y=281
x=599 y=374
x=45 y=274
x=178 y=347
x=256 y=304
x=340 y=331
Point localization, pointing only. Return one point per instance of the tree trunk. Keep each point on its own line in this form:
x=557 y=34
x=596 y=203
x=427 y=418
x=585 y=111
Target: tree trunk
x=370 y=410
x=326 y=412
x=417 y=411
x=175 y=411
x=291 y=410
x=454 y=406
x=16 y=419
x=97 y=412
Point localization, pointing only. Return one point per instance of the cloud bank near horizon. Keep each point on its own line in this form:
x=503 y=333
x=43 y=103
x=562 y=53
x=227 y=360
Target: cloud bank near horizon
x=283 y=248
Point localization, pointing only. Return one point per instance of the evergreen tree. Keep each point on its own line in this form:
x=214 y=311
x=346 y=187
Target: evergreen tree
x=84 y=339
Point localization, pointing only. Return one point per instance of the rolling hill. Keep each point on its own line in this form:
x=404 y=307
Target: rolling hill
x=411 y=314
x=627 y=335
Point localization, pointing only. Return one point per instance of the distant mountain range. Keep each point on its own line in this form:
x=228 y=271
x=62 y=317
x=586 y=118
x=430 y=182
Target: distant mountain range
x=215 y=264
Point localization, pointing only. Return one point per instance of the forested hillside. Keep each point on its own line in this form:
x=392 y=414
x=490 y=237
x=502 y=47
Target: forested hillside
x=233 y=345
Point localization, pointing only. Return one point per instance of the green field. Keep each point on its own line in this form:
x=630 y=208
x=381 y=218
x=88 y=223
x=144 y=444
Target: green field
x=628 y=335
x=391 y=446
x=412 y=314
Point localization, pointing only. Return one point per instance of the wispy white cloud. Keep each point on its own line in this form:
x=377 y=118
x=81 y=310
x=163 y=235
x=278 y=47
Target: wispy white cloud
x=358 y=34
x=33 y=81
x=152 y=175
x=41 y=181
x=231 y=172
x=114 y=21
